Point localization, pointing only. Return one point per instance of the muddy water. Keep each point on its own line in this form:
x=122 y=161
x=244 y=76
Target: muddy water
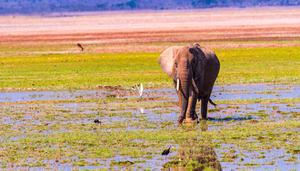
x=158 y=107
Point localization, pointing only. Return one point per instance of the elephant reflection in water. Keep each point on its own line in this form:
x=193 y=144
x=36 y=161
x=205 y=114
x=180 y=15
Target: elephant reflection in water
x=195 y=154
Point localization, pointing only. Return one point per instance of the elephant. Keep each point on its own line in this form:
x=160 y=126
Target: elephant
x=194 y=71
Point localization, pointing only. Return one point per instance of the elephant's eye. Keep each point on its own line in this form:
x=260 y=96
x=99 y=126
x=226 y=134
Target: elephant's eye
x=176 y=64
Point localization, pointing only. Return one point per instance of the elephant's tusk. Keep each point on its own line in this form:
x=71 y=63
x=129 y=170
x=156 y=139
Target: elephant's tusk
x=195 y=86
x=177 y=84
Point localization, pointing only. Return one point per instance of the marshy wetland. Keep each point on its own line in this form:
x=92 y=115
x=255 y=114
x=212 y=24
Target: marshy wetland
x=52 y=93
x=56 y=129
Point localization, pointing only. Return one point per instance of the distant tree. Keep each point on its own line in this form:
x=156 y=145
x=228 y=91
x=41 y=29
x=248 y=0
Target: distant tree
x=132 y=4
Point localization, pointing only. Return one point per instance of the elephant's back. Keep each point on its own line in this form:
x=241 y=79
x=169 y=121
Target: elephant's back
x=210 y=55
x=211 y=58
x=211 y=70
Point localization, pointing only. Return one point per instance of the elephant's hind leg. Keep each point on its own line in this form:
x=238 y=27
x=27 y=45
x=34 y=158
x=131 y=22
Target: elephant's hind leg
x=204 y=102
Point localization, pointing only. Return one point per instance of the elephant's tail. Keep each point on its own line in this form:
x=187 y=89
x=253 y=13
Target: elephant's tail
x=211 y=102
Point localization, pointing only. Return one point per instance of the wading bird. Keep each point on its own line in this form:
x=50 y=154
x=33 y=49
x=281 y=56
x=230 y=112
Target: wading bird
x=166 y=151
x=139 y=88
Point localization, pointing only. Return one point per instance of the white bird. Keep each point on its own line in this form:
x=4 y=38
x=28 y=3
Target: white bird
x=141 y=89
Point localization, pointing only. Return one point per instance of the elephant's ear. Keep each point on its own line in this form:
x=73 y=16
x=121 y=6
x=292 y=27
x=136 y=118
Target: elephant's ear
x=167 y=59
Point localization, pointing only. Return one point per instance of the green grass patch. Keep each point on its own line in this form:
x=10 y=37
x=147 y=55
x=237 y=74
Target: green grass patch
x=255 y=65
x=88 y=71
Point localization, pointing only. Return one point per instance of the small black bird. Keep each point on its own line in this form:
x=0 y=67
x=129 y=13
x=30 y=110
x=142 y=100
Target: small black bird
x=166 y=151
x=80 y=46
x=97 y=121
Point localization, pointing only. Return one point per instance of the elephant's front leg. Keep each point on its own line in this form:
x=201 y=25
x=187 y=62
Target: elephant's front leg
x=182 y=112
x=191 y=113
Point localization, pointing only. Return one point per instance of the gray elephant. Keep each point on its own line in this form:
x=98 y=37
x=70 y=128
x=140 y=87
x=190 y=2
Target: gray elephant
x=194 y=71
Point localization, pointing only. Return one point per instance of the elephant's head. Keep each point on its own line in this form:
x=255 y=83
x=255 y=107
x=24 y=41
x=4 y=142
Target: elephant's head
x=184 y=66
x=188 y=67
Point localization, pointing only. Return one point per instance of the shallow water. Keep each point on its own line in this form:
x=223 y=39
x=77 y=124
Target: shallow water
x=226 y=92
x=255 y=91
x=260 y=160
x=50 y=95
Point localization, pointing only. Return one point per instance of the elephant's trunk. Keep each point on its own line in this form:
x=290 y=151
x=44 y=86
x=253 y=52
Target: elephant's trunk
x=185 y=87
x=184 y=82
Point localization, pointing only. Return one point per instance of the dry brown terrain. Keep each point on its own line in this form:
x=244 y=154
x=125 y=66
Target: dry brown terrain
x=154 y=30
